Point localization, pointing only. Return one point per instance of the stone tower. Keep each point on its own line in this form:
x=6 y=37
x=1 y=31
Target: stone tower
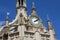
x=25 y=27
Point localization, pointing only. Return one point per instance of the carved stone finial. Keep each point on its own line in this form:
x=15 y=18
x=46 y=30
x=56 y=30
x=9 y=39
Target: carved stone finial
x=48 y=18
x=6 y=23
x=33 y=6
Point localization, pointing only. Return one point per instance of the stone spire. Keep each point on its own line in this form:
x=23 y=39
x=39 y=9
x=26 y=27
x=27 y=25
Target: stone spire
x=21 y=8
x=20 y=3
x=33 y=9
x=6 y=21
x=50 y=27
x=51 y=30
x=6 y=27
x=33 y=6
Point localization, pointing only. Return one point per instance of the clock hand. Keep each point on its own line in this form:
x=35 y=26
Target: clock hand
x=36 y=20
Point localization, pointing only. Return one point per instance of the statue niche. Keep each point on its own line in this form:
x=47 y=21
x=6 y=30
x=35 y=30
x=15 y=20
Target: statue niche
x=5 y=37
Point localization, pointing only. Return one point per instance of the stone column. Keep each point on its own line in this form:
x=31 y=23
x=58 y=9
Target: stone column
x=37 y=35
x=51 y=35
x=9 y=38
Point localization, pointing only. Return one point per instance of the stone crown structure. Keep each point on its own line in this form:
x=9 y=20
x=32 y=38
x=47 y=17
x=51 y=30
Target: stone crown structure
x=25 y=27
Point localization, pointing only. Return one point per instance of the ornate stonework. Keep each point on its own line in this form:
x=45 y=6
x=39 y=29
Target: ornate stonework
x=25 y=27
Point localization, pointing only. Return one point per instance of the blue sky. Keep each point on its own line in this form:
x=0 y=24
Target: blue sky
x=43 y=7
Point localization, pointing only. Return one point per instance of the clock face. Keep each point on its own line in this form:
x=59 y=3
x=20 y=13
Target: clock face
x=34 y=21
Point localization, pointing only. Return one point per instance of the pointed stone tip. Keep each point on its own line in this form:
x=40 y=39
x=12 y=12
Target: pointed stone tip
x=48 y=18
x=33 y=6
x=7 y=16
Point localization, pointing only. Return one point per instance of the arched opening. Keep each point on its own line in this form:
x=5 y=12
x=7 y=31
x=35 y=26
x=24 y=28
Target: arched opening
x=5 y=37
x=19 y=2
x=22 y=2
